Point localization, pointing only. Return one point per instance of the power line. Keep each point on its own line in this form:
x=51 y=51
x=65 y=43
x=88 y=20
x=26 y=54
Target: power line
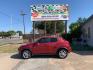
x=4 y=14
x=9 y=16
x=12 y=20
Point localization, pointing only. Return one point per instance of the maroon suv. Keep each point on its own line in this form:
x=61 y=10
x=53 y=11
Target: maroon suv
x=48 y=45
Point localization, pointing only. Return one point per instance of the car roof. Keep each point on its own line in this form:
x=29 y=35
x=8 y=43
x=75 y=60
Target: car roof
x=49 y=37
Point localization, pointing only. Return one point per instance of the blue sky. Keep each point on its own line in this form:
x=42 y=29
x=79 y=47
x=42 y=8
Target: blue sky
x=8 y=8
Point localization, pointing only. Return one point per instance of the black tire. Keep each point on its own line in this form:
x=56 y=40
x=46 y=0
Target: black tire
x=62 y=53
x=26 y=54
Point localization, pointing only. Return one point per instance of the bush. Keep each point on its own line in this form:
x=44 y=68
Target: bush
x=67 y=36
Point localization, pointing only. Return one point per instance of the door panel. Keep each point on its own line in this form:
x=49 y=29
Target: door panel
x=42 y=47
x=52 y=48
x=53 y=45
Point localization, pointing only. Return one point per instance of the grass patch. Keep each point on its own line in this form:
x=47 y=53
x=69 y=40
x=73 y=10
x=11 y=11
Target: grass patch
x=10 y=48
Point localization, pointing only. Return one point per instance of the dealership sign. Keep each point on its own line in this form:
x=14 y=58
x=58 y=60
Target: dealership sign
x=46 y=12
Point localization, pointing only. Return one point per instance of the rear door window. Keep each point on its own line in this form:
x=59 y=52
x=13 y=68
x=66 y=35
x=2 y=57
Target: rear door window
x=53 y=39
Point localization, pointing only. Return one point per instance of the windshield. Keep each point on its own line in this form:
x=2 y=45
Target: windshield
x=35 y=40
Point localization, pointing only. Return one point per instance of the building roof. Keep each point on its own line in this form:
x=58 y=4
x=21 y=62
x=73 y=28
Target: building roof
x=91 y=17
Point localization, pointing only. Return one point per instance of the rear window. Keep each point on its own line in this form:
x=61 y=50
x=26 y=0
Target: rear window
x=53 y=39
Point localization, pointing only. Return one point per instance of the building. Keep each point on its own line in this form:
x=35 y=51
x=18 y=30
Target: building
x=16 y=36
x=38 y=31
x=87 y=31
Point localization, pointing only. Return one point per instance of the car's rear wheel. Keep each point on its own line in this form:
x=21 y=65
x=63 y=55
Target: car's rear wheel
x=62 y=53
x=26 y=54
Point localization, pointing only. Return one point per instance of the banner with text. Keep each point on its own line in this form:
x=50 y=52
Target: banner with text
x=46 y=12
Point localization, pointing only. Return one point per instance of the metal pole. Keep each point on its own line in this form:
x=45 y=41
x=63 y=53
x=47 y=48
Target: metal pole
x=65 y=26
x=55 y=27
x=45 y=28
x=23 y=14
x=33 y=31
x=23 y=24
x=11 y=23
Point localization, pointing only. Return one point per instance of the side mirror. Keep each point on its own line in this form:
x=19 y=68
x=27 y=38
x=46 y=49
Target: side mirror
x=36 y=43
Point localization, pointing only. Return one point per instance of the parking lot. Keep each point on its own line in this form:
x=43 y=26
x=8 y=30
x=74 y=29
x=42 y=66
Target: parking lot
x=75 y=61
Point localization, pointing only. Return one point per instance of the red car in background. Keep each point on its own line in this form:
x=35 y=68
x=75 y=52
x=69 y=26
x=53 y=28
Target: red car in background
x=49 y=45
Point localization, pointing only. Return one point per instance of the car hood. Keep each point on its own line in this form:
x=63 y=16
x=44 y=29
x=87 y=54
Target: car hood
x=28 y=45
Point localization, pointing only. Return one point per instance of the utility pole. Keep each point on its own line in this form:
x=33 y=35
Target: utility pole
x=45 y=28
x=11 y=23
x=33 y=30
x=23 y=14
x=65 y=26
x=55 y=27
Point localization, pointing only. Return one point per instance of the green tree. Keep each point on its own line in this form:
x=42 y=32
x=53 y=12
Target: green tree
x=7 y=34
x=20 y=33
x=50 y=25
x=2 y=34
x=75 y=28
x=11 y=33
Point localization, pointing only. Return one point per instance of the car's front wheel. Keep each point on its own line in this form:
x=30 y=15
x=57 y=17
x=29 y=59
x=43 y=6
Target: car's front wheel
x=26 y=54
x=62 y=53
